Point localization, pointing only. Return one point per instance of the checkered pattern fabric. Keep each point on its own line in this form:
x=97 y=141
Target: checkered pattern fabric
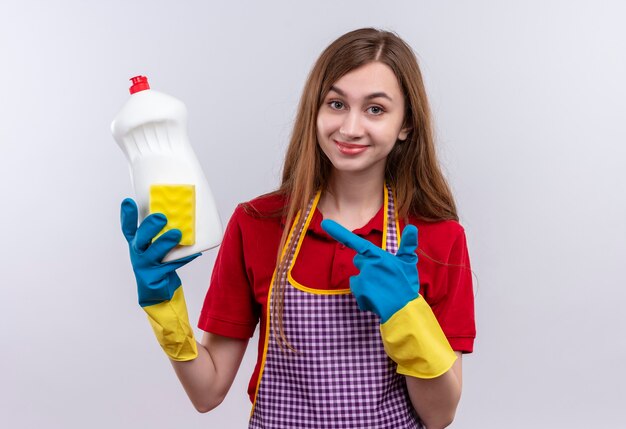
x=340 y=375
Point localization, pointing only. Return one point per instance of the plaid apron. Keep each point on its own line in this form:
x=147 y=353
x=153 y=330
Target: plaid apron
x=339 y=376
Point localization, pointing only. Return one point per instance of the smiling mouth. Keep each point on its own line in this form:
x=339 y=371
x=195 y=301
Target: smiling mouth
x=350 y=145
x=350 y=149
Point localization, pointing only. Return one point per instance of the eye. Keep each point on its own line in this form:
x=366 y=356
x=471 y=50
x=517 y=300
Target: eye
x=376 y=110
x=336 y=105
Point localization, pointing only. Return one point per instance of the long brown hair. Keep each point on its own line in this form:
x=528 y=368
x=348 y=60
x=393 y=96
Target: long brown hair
x=412 y=168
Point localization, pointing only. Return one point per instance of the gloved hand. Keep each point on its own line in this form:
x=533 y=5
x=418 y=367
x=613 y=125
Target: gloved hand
x=388 y=285
x=158 y=286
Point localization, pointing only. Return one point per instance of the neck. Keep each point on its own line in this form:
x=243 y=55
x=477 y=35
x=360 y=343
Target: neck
x=351 y=199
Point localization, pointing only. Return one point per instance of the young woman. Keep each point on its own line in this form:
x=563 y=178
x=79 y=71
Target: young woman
x=354 y=332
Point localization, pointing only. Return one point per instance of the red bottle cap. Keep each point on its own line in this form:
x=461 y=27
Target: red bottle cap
x=140 y=83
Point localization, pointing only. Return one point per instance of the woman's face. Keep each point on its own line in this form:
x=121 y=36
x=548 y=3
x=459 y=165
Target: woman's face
x=361 y=119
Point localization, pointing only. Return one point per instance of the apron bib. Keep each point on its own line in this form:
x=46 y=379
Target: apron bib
x=339 y=376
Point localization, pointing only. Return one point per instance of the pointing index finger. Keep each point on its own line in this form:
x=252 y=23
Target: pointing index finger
x=346 y=237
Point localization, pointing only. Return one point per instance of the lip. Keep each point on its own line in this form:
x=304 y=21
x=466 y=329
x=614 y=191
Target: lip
x=349 y=148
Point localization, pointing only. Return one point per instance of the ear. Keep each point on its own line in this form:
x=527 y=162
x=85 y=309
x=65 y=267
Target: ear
x=404 y=133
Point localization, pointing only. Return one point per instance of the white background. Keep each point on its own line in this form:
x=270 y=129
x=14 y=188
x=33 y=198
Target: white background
x=529 y=102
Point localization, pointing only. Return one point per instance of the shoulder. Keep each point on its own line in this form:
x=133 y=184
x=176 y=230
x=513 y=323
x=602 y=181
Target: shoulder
x=264 y=209
x=255 y=226
x=264 y=206
x=440 y=230
x=439 y=238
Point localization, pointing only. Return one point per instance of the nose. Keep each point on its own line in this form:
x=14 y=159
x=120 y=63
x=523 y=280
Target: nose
x=351 y=127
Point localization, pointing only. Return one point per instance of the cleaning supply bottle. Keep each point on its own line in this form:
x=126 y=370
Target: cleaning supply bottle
x=151 y=129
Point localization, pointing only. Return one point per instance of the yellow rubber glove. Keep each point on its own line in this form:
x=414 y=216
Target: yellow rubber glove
x=158 y=286
x=388 y=285
x=170 y=323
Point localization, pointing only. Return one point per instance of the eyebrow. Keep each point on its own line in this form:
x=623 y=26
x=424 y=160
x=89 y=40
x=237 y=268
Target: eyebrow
x=369 y=97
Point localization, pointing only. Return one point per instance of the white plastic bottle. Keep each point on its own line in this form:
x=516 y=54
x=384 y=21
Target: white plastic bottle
x=151 y=129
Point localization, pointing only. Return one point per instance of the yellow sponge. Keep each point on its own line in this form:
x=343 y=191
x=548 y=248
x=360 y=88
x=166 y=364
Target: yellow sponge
x=178 y=204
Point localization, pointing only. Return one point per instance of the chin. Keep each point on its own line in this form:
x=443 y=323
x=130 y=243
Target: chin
x=356 y=167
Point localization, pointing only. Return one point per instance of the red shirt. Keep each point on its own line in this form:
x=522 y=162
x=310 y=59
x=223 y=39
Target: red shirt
x=237 y=297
